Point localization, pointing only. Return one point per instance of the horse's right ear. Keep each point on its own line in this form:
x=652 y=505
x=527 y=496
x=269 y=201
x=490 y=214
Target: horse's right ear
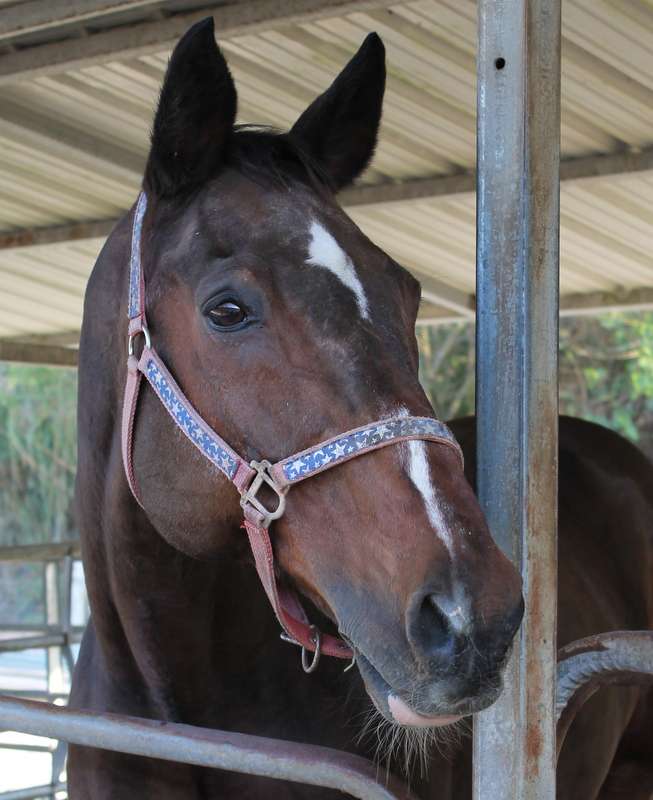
x=195 y=116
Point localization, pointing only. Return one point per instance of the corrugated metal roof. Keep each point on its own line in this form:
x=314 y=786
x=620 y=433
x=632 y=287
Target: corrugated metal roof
x=72 y=143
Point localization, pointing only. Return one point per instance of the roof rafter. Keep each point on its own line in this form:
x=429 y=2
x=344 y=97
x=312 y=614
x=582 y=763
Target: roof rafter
x=572 y=305
x=56 y=234
x=131 y=41
x=571 y=169
x=40 y=15
x=28 y=353
x=28 y=128
x=575 y=169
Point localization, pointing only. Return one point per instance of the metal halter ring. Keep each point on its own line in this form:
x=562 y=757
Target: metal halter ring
x=317 y=641
x=132 y=336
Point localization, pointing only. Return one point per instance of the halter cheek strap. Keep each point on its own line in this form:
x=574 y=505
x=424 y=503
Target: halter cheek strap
x=249 y=477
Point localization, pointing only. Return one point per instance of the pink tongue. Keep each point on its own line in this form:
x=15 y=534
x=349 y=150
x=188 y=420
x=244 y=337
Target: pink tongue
x=406 y=716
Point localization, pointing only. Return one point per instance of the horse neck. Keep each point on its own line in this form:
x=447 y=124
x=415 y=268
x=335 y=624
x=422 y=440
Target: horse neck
x=173 y=631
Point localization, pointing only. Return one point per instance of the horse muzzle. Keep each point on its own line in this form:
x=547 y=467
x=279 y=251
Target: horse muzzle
x=450 y=667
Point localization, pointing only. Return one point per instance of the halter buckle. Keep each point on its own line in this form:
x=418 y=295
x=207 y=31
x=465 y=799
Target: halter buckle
x=248 y=496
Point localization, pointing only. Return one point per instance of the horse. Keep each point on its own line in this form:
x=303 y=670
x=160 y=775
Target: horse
x=273 y=324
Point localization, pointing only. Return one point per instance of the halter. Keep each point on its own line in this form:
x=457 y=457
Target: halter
x=248 y=478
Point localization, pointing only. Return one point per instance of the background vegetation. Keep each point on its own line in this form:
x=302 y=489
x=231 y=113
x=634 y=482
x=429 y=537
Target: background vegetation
x=37 y=453
x=606 y=371
x=37 y=472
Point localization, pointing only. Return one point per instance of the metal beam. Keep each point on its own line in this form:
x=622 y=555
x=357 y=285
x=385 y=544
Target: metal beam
x=40 y=15
x=33 y=792
x=404 y=191
x=131 y=41
x=573 y=169
x=49 y=355
x=518 y=219
x=431 y=318
x=446 y=296
x=58 y=139
x=56 y=234
x=571 y=305
x=40 y=552
x=606 y=164
x=66 y=338
x=187 y=744
x=592 y=303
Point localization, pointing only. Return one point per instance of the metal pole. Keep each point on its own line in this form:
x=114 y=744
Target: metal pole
x=517 y=391
x=33 y=792
x=186 y=744
x=66 y=608
x=53 y=617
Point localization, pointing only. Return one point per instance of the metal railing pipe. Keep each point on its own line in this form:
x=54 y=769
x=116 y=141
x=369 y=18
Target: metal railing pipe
x=34 y=642
x=33 y=792
x=186 y=744
x=51 y=551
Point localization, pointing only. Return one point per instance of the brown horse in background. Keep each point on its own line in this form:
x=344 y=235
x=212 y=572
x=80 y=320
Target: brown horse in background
x=285 y=325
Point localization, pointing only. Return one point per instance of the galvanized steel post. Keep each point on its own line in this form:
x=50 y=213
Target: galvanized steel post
x=517 y=387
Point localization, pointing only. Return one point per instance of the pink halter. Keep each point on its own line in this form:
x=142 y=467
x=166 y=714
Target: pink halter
x=248 y=478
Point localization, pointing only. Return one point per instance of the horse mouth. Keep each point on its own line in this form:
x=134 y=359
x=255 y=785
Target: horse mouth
x=403 y=714
x=397 y=710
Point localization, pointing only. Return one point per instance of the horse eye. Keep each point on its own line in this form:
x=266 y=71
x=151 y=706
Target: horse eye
x=227 y=314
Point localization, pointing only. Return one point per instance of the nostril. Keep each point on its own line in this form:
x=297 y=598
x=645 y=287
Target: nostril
x=432 y=632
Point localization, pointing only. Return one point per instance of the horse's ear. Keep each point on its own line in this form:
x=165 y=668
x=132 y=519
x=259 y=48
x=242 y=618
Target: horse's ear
x=195 y=116
x=340 y=128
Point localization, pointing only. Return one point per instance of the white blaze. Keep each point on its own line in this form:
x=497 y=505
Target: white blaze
x=324 y=251
x=420 y=475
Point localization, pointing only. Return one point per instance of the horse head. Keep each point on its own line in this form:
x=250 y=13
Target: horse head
x=285 y=325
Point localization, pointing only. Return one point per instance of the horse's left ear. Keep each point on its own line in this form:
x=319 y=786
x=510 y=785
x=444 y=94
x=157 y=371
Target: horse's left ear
x=195 y=116
x=339 y=129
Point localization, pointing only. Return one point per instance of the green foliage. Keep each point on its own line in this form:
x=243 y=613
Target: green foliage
x=22 y=599
x=446 y=356
x=606 y=371
x=37 y=472
x=37 y=453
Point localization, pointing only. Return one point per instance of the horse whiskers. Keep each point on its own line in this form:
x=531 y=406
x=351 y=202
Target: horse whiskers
x=407 y=747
